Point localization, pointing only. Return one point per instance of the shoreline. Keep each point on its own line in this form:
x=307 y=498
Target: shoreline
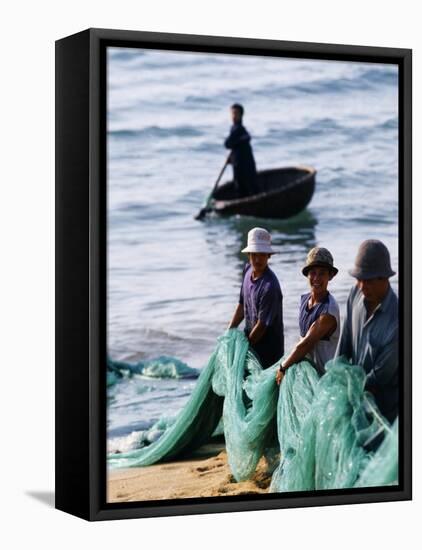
x=205 y=474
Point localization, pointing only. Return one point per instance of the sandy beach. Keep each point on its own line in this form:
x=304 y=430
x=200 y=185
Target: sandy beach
x=205 y=474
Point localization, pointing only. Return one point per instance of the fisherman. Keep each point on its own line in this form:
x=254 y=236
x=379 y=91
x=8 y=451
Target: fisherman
x=241 y=158
x=370 y=334
x=319 y=316
x=261 y=301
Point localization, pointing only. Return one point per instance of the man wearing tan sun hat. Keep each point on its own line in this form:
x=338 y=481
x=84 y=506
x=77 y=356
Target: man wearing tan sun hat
x=261 y=300
x=319 y=316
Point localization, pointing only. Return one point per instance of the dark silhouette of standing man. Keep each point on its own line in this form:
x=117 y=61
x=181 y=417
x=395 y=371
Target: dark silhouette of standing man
x=242 y=160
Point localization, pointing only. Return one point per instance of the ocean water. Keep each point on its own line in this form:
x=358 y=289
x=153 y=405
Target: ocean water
x=173 y=282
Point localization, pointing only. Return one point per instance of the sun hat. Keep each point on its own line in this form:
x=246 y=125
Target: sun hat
x=259 y=240
x=319 y=257
x=372 y=261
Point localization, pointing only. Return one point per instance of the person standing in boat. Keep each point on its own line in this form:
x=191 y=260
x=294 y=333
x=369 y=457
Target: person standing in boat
x=261 y=301
x=241 y=158
x=319 y=316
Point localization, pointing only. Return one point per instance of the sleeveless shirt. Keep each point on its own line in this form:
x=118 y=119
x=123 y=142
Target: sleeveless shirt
x=325 y=349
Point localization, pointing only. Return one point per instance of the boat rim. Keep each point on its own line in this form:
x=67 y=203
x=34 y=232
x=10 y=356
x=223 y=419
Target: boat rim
x=218 y=204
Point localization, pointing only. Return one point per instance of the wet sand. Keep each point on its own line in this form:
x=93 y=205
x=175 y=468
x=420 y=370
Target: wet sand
x=205 y=474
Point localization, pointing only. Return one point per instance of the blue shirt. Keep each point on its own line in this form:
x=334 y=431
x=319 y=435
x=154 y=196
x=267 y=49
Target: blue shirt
x=262 y=300
x=372 y=342
x=325 y=349
x=307 y=317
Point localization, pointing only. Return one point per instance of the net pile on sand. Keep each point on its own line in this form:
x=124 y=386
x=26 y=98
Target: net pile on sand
x=320 y=429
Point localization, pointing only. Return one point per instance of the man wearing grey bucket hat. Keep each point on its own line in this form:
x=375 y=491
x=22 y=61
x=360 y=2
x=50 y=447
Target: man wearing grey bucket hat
x=261 y=300
x=370 y=333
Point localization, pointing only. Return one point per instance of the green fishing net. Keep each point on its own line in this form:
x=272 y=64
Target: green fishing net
x=319 y=429
x=325 y=428
x=192 y=428
x=250 y=402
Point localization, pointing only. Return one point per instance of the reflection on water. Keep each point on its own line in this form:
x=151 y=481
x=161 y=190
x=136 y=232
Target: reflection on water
x=291 y=238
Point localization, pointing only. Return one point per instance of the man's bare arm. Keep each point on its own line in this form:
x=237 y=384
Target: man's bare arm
x=326 y=324
x=323 y=326
x=257 y=332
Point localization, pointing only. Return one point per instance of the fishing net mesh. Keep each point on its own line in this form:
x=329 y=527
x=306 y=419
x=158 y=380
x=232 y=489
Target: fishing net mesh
x=321 y=430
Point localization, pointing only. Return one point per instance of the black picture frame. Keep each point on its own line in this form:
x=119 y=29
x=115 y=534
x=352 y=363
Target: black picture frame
x=81 y=271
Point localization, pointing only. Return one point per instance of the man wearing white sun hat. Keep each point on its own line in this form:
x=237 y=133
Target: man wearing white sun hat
x=261 y=301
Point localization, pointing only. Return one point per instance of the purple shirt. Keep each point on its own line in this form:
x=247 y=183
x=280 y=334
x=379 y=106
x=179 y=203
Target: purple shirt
x=262 y=300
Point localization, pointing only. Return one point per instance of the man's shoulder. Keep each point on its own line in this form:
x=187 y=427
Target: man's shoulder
x=393 y=299
x=332 y=301
x=246 y=268
x=355 y=293
x=333 y=307
x=271 y=279
x=391 y=305
x=237 y=128
x=270 y=273
x=304 y=298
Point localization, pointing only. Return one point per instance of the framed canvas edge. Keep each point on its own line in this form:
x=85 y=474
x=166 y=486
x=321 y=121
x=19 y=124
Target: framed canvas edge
x=72 y=367
x=247 y=45
x=98 y=508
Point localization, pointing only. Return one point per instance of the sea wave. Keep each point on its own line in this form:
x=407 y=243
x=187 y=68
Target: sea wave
x=367 y=80
x=139 y=439
x=323 y=126
x=161 y=367
x=156 y=132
